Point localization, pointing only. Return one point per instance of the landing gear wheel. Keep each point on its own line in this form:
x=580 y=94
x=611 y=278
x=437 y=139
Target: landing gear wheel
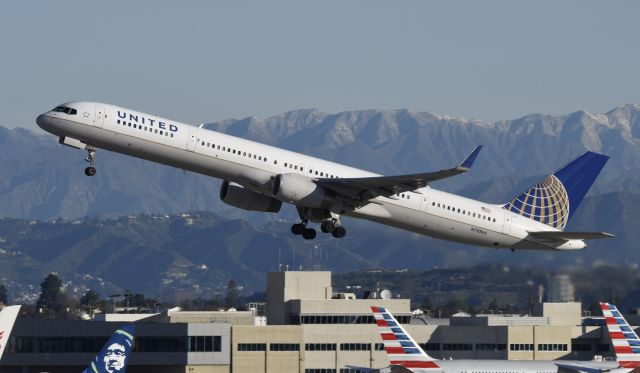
x=339 y=232
x=91 y=159
x=90 y=171
x=309 y=234
x=298 y=229
x=327 y=226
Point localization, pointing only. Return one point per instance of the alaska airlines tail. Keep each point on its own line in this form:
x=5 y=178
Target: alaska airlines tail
x=624 y=340
x=114 y=355
x=401 y=349
x=8 y=317
x=554 y=200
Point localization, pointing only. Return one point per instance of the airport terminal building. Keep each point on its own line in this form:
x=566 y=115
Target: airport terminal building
x=309 y=329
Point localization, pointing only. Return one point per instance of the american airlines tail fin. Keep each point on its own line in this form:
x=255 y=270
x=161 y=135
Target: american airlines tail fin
x=624 y=340
x=554 y=200
x=8 y=317
x=401 y=349
x=114 y=356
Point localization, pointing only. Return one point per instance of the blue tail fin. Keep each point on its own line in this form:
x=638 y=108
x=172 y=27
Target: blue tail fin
x=554 y=200
x=114 y=356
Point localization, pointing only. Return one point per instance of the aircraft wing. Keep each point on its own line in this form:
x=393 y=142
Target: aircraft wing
x=576 y=368
x=565 y=236
x=365 y=188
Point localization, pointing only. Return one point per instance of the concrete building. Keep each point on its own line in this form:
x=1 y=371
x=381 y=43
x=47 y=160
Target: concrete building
x=310 y=329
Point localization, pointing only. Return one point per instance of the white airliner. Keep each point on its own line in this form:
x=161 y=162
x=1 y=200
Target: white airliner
x=405 y=355
x=259 y=177
x=8 y=317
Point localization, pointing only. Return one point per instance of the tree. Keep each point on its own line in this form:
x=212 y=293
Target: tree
x=53 y=302
x=232 y=294
x=3 y=295
x=90 y=301
x=426 y=305
x=50 y=294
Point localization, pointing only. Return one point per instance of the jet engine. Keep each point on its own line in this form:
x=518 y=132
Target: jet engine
x=300 y=191
x=237 y=196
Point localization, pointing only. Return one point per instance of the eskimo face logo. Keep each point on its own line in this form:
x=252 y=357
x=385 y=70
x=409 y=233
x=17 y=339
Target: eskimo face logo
x=546 y=202
x=115 y=358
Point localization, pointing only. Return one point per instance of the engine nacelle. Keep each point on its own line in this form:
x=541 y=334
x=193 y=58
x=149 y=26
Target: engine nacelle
x=235 y=195
x=301 y=191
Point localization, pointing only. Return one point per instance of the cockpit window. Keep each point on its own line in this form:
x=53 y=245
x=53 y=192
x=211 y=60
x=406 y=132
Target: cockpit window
x=66 y=110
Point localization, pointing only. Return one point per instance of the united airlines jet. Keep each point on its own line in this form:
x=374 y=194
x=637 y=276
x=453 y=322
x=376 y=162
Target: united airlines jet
x=259 y=177
x=405 y=355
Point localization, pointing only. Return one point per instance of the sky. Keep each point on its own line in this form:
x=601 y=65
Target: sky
x=204 y=61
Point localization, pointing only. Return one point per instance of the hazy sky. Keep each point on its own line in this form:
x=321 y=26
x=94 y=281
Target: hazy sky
x=205 y=60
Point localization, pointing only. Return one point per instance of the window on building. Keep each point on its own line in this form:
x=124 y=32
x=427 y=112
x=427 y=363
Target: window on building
x=552 y=347
x=430 y=346
x=491 y=347
x=201 y=343
x=355 y=346
x=284 y=347
x=521 y=347
x=252 y=347
x=320 y=346
x=457 y=347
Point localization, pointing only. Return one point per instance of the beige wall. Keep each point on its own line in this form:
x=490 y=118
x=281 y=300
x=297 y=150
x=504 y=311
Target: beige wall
x=207 y=369
x=271 y=361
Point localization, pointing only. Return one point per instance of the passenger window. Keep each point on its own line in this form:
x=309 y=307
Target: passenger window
x=285 y=164
x=161 y=132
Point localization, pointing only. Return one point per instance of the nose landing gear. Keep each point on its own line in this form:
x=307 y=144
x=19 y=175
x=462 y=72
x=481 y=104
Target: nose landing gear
x=91 y=159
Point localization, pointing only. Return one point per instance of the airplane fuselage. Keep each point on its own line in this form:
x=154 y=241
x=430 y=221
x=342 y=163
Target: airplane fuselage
x=254 y=166
x=519 y=366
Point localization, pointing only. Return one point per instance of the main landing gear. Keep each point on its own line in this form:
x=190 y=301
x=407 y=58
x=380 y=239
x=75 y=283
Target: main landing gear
x=327 y=226
x=91 y=159
x=301 y=229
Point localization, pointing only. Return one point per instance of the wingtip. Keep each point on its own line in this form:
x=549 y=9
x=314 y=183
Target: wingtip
x=467 y=163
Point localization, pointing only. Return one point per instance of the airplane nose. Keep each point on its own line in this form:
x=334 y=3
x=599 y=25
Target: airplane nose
x=40 y=120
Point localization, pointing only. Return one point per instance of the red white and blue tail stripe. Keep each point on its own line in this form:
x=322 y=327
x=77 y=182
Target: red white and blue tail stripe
x=400 y=347
x=624 y=340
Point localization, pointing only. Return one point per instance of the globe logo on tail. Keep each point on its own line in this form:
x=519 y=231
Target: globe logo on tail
x=546 y=202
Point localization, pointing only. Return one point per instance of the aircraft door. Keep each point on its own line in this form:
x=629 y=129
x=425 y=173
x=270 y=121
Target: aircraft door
x=424 y=203
x=99 y=119
x=192 y=141
x=506 y=223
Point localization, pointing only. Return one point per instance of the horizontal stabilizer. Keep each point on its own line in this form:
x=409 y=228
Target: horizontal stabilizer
x=565 y=236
